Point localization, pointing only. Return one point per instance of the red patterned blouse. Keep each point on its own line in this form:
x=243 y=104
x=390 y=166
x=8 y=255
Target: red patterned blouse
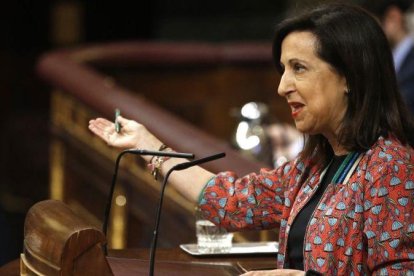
x=363 y=225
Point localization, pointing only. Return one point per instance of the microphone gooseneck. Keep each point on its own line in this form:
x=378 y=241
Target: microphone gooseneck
x=177 y=167
x=112 y=188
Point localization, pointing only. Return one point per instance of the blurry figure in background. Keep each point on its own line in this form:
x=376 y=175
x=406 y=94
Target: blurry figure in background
x=286 y=142
x=256 y=137
x=394 y=16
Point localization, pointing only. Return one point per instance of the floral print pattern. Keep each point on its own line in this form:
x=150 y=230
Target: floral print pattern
x=361 y=227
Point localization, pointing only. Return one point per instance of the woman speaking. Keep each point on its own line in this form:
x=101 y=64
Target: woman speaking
x=344 y=205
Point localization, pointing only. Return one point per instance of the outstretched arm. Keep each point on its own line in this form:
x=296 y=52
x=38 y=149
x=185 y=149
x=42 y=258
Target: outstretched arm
x=189 y=182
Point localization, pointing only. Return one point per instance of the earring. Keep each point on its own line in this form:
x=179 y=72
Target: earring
x=347 y=91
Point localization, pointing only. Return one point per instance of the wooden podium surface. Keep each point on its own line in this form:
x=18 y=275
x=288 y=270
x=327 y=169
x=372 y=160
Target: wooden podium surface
x=173 y=262
x=58 y=242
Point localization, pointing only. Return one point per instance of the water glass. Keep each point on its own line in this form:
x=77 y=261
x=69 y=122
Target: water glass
x=211 y=238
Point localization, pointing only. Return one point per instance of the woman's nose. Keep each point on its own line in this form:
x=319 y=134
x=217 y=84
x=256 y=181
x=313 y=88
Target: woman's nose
x=285 y=85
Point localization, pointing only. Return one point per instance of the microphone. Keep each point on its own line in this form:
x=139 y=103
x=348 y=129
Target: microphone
x=160 y=153
x=118 y=159
x=177 y=167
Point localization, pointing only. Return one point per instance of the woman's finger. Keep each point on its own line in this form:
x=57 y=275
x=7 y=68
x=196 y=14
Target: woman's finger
x=99 y=132
x=103 y=123
x=122 y=120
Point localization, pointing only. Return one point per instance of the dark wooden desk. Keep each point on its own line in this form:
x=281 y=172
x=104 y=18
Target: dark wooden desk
x=172 y=262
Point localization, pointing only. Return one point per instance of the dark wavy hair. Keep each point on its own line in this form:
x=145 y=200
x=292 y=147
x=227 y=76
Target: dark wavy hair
x=353 y=43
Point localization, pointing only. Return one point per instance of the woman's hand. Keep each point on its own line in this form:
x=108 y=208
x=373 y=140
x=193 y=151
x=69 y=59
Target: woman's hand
x=131 y=135
x=134 y=135
x=276 y=272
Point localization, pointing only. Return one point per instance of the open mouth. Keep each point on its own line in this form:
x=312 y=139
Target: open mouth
x=296 y=108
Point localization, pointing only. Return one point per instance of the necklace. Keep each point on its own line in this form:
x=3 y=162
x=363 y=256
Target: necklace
x=346 y=167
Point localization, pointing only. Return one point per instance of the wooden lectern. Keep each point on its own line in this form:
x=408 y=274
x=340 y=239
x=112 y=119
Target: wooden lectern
x=57 y=242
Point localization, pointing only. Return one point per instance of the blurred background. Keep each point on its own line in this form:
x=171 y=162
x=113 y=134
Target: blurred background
x=32 y=28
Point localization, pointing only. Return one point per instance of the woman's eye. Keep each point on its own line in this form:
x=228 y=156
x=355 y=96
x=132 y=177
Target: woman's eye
x=298 y=67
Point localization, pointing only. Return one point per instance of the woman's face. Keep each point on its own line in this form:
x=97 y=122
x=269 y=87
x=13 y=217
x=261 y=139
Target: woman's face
x=312 y=88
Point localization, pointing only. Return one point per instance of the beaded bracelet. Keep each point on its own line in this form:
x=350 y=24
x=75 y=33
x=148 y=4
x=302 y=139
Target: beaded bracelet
x=157 y=165
x=162 y=147
x=156 y=162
